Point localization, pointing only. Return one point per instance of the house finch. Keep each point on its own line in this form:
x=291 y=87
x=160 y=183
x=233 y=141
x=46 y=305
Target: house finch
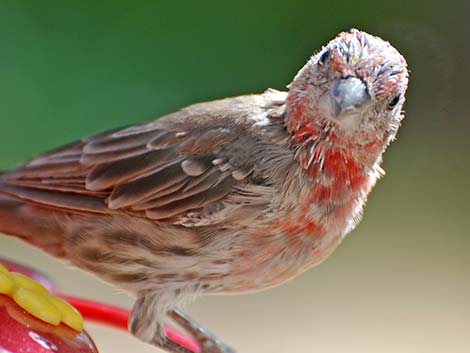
x=228 y=196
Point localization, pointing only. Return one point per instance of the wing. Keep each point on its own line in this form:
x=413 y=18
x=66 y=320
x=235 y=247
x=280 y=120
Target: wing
x=159 y=170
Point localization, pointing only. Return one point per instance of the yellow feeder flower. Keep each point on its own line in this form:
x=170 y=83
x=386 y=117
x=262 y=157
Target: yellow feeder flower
x=37 y=301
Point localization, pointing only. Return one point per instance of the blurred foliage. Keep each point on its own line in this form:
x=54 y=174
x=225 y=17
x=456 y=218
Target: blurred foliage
x=69 y=68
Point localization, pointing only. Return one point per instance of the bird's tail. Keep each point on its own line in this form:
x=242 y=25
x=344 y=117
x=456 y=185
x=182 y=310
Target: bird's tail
x=29 y=223
x=10 y=219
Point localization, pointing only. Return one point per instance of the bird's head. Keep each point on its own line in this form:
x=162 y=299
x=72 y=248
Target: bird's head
x=351 y=92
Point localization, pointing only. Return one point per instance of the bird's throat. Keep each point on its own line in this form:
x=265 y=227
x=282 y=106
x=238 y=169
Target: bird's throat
x=339 y=167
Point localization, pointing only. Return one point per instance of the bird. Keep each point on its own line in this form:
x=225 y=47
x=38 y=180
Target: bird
x=229 y=196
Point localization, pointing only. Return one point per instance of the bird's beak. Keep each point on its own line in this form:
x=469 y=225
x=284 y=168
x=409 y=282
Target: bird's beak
x=348 y=96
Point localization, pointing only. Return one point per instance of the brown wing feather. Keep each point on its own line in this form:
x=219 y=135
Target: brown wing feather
x=152 y=169
x=162 y=169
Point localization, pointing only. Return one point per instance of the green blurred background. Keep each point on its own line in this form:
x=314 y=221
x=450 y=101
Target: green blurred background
x=399 y=283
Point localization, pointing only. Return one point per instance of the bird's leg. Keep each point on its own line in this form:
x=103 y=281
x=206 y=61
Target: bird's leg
x=145 y=321
x=208 y=342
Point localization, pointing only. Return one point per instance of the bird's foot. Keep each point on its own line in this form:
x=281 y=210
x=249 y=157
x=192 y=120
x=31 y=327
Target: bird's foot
x=208 y=342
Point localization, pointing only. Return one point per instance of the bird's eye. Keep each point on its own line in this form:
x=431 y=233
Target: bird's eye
x=324 y=57
x=393 y=102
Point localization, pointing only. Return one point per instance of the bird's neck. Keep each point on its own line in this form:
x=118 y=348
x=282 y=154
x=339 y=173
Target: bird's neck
x=340 y=165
